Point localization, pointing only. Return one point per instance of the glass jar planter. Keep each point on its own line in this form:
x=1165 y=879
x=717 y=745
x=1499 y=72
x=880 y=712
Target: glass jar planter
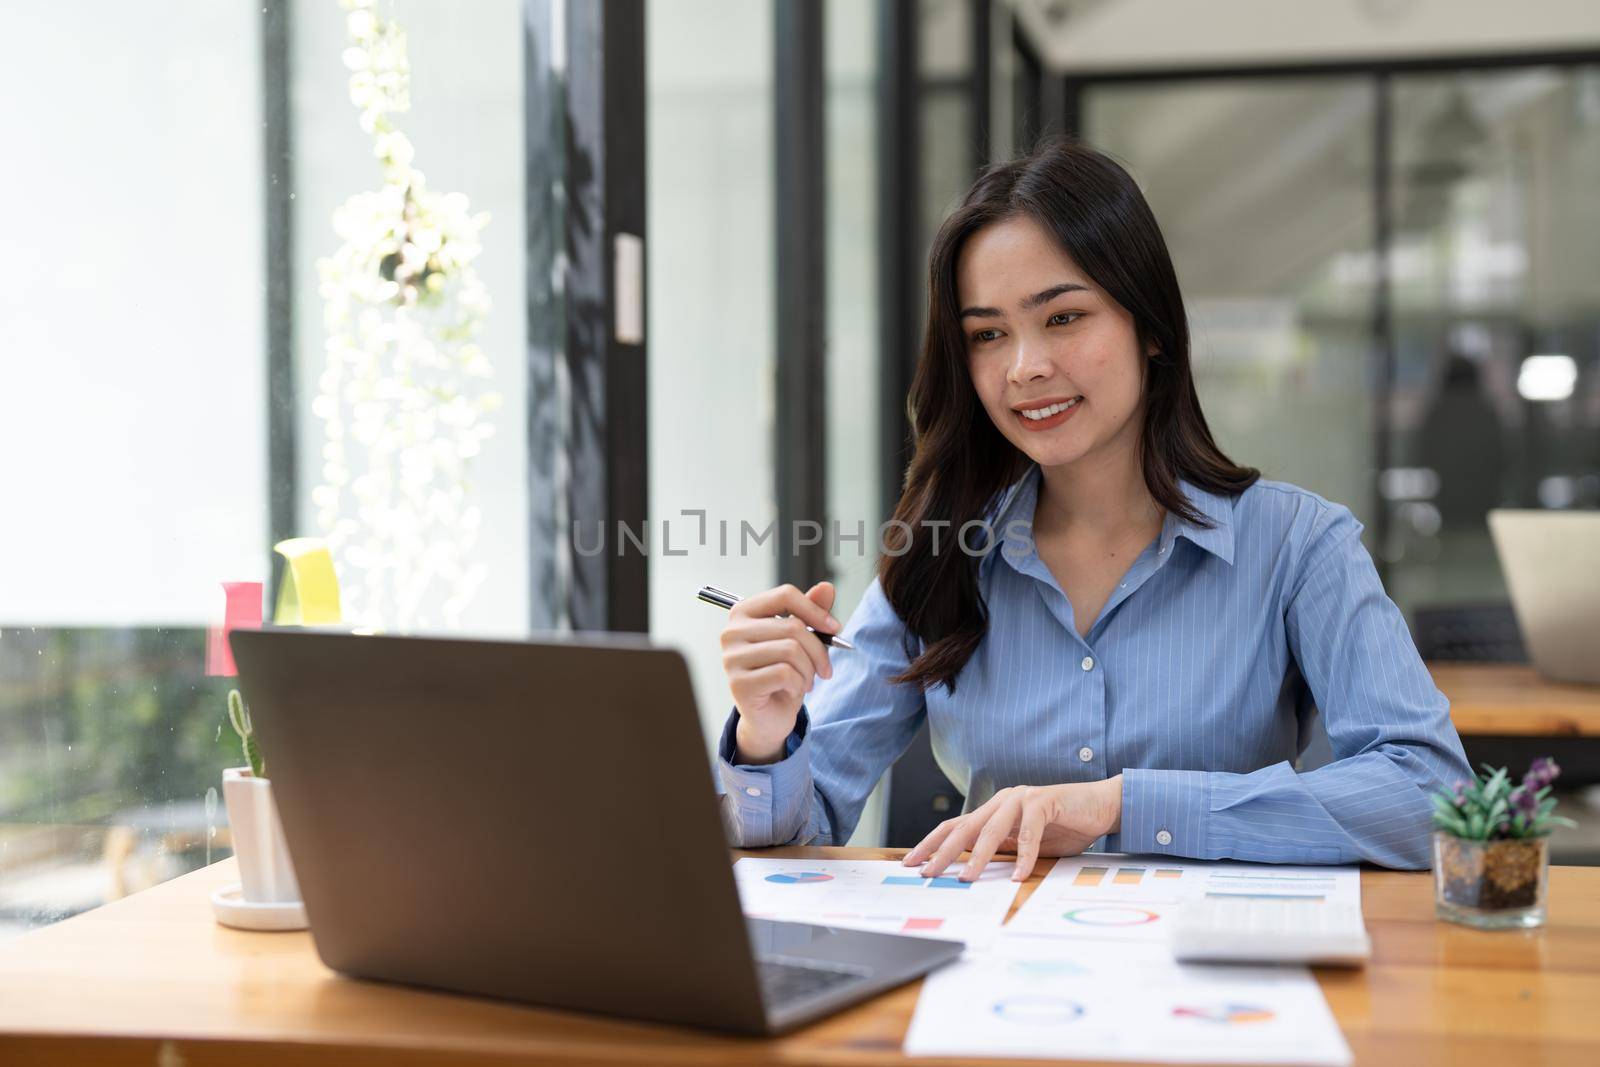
x=1493 y=885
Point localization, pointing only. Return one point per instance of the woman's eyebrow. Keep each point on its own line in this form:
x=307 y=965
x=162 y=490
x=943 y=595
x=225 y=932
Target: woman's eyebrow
x=1037 y=299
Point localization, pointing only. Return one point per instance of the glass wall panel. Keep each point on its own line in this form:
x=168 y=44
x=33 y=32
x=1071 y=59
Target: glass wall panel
x=854 y=500
x=710 y=259
x=132 y=434
x=136 y=419
x=947 y=128
x=1264 y=192
x=412 y=426
x=1496 y=280
x=852 y=263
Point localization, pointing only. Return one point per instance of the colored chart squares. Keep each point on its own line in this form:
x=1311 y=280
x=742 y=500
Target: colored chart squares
x=1226 y=1014
x=799 y=877
x=1090 y=876
x=923 y=925
x=926 y=883
x=1095 y=877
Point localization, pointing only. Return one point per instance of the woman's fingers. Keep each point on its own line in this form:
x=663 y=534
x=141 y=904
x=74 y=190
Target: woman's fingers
x=788 y=600
x=766 y=653
x=964 y=836
x=954 y=844
x=755 y=631
x=779 y=680
x=1000 y=826
x=934 y=839
x=1028 y=836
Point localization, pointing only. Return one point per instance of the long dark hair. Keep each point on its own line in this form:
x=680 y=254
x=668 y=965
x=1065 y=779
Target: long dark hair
x=1095 y=211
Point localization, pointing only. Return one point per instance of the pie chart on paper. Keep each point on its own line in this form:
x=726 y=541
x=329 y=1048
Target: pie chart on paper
x=1225 y=1014
x=799 y=877
x=1037 y=1010
x=1110 y=915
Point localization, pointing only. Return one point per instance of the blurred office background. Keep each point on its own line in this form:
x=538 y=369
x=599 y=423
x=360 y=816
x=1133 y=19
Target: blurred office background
x=698 y=305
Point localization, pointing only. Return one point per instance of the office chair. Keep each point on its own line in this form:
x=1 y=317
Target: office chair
x=920 y=796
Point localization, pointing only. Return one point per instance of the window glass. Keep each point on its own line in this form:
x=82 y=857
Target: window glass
x=853 y=411
x=136 y=416
x=1495 y=264
x=711 y=326
x=134 y=429
x=1264 y=192
x=435 y=394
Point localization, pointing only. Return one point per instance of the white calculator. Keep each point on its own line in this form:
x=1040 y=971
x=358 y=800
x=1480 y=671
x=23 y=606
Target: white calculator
x=1270 y=930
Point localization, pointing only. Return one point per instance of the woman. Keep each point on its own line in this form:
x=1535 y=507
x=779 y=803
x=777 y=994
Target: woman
x=1137 y=654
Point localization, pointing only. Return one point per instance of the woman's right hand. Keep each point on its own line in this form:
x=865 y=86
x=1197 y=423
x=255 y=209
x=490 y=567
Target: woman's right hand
x=773 y=661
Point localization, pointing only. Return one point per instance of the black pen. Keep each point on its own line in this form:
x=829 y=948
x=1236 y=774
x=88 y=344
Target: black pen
x=721 y=598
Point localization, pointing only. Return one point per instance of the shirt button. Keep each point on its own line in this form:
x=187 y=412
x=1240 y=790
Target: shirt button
x=1163 y=837
x=752 y=790
x=1085 y=754
x=1088 y=663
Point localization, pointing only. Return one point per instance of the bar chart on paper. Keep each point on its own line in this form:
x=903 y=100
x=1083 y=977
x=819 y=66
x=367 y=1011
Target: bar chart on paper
x=1106 y=897
x=878 y=895
x=1136 y=897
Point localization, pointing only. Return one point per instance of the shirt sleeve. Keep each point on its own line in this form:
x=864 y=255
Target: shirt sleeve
x=853 y=727
x=1389 y=726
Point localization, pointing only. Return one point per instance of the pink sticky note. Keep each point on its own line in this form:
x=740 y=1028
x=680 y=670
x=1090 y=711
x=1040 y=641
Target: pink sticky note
x=243 y=612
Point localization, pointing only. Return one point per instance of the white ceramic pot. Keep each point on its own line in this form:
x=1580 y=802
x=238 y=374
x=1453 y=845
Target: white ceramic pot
x=265 y=873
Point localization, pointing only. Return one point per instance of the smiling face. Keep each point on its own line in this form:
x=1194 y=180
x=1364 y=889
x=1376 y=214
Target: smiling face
x=1054 y=359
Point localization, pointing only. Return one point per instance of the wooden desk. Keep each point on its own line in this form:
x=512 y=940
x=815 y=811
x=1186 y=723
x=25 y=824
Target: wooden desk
x=1512 y=700
x=151 y=979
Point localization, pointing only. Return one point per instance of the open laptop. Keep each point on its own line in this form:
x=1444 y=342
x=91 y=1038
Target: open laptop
x=533 y=821
x=1551 y=560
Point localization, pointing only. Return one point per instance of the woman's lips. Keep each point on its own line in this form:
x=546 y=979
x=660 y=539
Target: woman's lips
x=1050 y=422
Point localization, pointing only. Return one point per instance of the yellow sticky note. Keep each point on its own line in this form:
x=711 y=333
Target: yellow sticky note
x=309 y=595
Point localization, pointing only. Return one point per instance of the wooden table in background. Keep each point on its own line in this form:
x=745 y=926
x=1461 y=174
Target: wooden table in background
x=1513 y=700
x=152 y=979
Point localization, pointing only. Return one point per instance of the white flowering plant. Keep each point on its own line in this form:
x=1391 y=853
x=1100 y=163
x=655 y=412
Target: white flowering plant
x=405 y=394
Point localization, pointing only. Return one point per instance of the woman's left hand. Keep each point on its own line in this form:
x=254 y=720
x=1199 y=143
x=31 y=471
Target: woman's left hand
x=1049 y=820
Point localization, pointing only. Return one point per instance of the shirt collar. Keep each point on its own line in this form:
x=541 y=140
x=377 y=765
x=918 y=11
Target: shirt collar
x=1013 y=521
x=1217 y=509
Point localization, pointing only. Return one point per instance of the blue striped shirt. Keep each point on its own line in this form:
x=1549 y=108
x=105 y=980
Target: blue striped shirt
x=1197 y=683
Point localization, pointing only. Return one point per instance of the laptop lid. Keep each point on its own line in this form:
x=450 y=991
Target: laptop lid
x=528 y=820
x=1551 y=561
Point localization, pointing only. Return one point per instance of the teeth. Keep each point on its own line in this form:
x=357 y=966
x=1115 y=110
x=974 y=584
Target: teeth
x=1053 y=409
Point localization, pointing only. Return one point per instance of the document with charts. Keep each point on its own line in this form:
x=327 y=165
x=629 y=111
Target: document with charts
x=879 y=895
x=1134 y=898
x=1116 y=1000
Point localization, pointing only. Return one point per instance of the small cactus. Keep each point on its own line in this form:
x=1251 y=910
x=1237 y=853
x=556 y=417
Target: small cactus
x=239 y=715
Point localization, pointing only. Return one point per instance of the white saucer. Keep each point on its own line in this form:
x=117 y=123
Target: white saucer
x=232 y=909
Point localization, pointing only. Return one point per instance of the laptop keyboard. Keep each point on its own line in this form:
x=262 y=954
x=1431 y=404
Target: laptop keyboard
x=784 y=980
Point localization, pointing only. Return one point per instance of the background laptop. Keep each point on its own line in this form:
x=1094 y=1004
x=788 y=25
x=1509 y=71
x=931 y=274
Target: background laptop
x=533 y=821
x=1551 y=560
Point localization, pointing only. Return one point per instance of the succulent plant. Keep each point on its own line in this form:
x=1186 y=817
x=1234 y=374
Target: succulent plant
x=239 y=715
x=1490 y=808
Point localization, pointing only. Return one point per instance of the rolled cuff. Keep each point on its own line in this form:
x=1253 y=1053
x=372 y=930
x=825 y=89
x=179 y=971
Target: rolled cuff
x=1165 y=812
x=765 y=804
